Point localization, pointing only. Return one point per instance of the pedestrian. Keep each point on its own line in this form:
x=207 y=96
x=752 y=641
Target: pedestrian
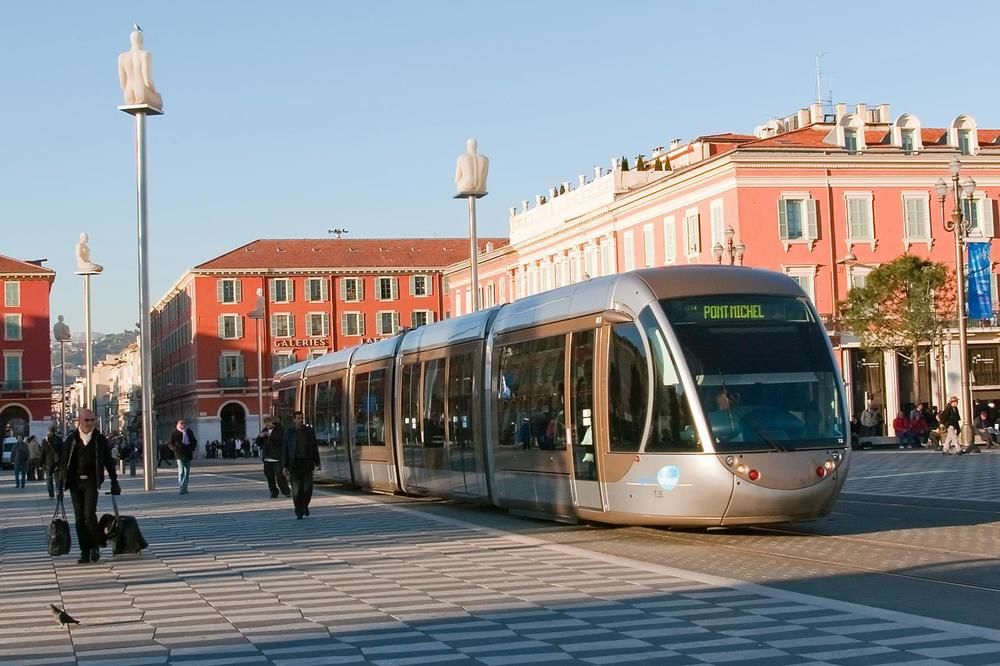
x=182 y=443
x=272 y=445
x=34 y=458
x=88 y=456
x=301 y=457
x=19 y=459
x=871 y=420
x=950 y=420
x=51 y=450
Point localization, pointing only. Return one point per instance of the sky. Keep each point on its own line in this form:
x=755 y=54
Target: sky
x=285 y=120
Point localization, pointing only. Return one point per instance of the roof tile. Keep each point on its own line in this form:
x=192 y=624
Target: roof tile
x=10 y=265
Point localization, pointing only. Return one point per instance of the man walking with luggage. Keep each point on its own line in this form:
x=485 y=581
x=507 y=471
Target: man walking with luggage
x=88 y=456
x=301 y=457
x=271 y=444
x=183 y=443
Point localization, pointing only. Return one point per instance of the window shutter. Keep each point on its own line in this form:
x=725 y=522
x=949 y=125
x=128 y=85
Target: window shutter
x=239 y=326
x=783 y=219
x=343 y=324
x=324 y=290
x=361 y=323
x=812 y=232
x=274 y=325
x=343 y=289
x=429 y=284
x=291 y=325
x=987 y=225
x=270 y=287
x=413 y=285
x=395 y=287
x=361 y=289
x=326 y=324
x=222 y=366
x=238 y=290
x=222 y=326
x=220 y=292
x=239 y=365
x=430 y=316
x=395 y=322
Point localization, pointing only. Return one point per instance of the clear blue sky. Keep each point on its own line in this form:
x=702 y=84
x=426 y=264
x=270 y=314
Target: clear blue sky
x=288 y=119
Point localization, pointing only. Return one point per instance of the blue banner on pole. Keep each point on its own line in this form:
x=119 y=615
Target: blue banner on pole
x=980 y=304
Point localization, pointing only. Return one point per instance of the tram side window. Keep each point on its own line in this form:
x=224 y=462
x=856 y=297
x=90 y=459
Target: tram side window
x=628 y=388
x=284 y=406
x=531 y=394
x=433 y=410
x=369 y=405
x=320 y=418
x=410 y=379
x=671 y=423
x=309 y=406
x=335 y=410
x=460 y=399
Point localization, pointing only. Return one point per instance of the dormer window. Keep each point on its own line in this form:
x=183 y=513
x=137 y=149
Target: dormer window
x=963 y=135
x=851 y=140
x=909 y=145
x=906 y=134
x=965 y=141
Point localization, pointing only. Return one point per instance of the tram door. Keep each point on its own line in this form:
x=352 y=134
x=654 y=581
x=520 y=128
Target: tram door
x=582 y=426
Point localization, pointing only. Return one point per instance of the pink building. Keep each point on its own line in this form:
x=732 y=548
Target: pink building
x=822 y=197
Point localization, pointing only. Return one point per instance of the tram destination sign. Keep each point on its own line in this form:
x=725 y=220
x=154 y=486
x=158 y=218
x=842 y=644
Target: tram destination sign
x=740 y=308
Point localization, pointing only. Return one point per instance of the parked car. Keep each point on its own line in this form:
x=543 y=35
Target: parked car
x=8 y=447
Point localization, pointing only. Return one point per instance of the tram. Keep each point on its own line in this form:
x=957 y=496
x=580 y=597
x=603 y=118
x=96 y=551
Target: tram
x=678 y=396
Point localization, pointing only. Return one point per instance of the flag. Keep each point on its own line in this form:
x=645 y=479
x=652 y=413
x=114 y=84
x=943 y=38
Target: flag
x=980 y=305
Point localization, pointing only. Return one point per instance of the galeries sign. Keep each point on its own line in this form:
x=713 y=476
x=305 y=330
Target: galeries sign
x=311 y=342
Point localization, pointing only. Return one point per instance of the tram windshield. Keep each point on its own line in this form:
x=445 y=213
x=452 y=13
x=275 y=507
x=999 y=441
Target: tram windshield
x=765 y=376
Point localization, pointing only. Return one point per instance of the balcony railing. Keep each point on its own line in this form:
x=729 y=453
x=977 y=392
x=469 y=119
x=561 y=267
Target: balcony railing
x=232 y=382
x=13 y=385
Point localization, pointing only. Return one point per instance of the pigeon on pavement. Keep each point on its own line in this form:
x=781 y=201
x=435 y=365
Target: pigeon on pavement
x=61 y=616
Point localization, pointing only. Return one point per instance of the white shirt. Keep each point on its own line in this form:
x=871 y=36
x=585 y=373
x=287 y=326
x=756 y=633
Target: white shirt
x=85 y=436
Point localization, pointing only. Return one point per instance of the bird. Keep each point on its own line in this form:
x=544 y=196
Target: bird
x=61 y=616
x=135 y=26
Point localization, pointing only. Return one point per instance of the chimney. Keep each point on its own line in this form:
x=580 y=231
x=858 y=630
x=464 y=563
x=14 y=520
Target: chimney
x=598 y=172
x=805 y=117
x=489 y=246
x=815 y=112
x=616 y=163
x=524 y=205
x=841 y=111
x=552 y=193
x=538 y=200
x=582 y=180
x=674 y=143
x=883 y=113
x=512 y=211
x=862 y=111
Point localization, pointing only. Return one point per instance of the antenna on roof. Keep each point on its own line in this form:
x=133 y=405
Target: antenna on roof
x=819 y=79
x=337 y=231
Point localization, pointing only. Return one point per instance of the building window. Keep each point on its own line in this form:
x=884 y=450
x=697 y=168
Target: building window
x=805 y=277
x=692 y=234
x=317 y=290
x=230 y=327
x=12 y=294
x=916 y=217
x=351 y=290
x=420 y=285
x=317 y=324
x=231 y=366
x=851 y=140
x=503 y=290
x=857 y=277
x=590 y=262
x=796 y=218
x=352 y=323
x=282 y=361
x=12 y=327
x=628 y=248
x=281 y=290
x=387 y=289
x=909 y=144
x=648 y=247
x=608 y=255
x=421 y=317
x=979 y=211
x=386 y=322
x=282 y=325
x=718 y=222
x=860 y=226
x=12 y=371
x=669 y=240
x=965 y=141
x=316 y=353
x=229 y=290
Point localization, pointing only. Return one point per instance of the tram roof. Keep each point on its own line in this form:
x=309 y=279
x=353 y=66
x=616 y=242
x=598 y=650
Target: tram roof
x=291 y=372
x=683 y=281
x=449 y=331
x=333 y=361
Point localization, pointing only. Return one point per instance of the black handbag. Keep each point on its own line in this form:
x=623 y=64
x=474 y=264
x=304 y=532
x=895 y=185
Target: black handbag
x=59 y=539
x=125 y=536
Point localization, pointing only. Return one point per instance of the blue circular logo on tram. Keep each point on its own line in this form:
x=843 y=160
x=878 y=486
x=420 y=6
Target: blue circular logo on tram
x=668 y=477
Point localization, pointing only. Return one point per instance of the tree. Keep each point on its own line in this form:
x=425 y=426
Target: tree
x=624 y=163
x=658 y=164
x=906 y=305
x=562 y=189
x=640 y=163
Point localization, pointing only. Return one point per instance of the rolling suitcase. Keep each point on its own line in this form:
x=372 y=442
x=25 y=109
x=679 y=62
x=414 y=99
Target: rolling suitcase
x=59 y=539
x=124 y=534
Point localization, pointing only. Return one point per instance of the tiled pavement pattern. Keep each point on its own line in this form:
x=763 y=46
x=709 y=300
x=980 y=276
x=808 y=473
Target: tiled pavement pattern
x=924 y=473
x=232 y=578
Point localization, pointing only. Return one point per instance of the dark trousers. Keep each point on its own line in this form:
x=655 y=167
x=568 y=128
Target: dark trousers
x=276 y=479
x=84 y=495
x=301 y=474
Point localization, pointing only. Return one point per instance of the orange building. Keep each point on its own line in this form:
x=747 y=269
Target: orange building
x=26 y=392
x=318 y=295
x=822 y=195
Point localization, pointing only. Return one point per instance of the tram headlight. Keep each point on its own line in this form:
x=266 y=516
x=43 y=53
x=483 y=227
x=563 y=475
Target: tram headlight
x=829 y=465
x=741 y=468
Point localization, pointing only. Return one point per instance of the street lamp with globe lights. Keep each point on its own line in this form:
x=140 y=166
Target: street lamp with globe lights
x=732 y=250
x=959 y=225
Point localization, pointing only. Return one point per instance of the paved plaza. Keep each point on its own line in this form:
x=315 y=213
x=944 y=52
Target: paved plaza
x=231 y=577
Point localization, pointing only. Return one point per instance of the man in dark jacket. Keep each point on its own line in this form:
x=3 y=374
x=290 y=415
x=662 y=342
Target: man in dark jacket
x=182 y=443
x=88 y=456
x=51 y=454
x=272 y=447
x=300 y=458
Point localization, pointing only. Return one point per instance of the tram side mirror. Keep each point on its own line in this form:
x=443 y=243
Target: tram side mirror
x=614 y=317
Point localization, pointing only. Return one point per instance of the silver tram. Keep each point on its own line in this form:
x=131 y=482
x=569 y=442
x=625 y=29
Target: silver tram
x=684 y=396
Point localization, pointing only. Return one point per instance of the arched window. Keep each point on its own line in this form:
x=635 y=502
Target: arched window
x=849 y=134
x=963 y=134
x=906 y=133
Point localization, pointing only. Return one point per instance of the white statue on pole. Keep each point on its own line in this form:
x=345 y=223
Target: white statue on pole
x=471 y=171
x=61 y=330
x=135 y=74
x=84 y=266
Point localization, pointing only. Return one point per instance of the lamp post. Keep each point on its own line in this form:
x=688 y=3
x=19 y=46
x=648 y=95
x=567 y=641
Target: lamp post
x=959 y=225
x=470 y=183
x=258 y=314
x=60 y=332
x=734 y=251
